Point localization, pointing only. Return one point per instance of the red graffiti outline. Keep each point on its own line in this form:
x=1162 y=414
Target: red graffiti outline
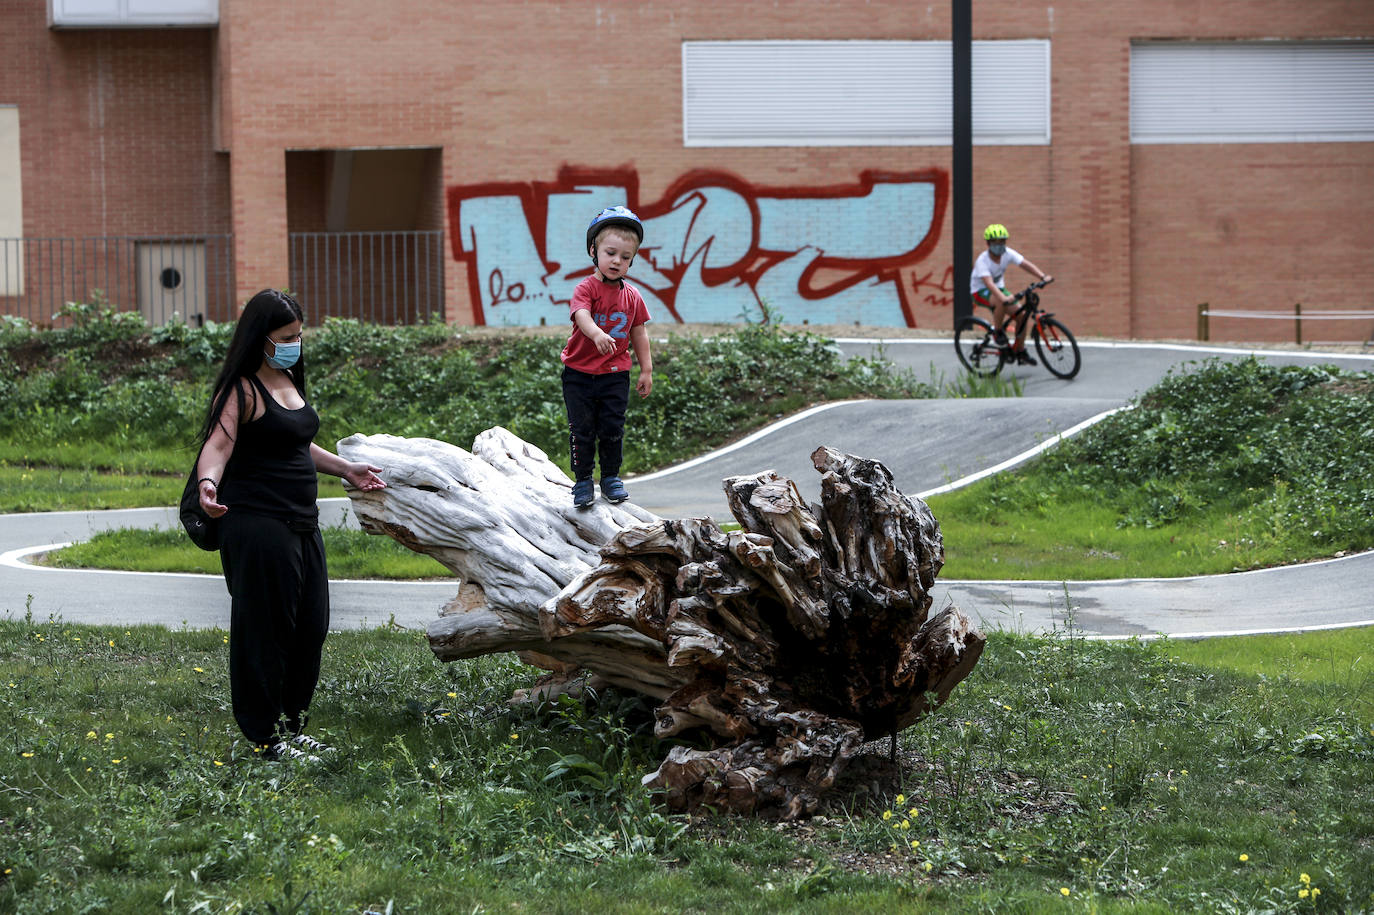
x=534 y=196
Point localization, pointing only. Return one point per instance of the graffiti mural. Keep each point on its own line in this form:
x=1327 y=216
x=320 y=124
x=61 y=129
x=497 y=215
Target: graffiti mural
x=717 y=249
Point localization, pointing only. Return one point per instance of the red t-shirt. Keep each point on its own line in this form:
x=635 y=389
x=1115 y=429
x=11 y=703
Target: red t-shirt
x=616 y=308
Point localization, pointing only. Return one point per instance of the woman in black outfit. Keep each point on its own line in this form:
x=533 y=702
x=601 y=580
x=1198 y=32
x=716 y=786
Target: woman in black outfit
x=257 y=475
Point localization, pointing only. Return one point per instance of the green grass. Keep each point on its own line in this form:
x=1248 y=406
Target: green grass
x=1337 y=657
x=1219 y=467
x=352 y=554
x=29 y=488
x=1001 y=530
x=1130 y=777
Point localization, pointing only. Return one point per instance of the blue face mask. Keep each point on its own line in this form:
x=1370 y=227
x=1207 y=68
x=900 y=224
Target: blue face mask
x=997 y=249
x=286 y=356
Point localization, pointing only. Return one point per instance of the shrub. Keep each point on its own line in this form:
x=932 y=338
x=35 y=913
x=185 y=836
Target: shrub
x=108 y=377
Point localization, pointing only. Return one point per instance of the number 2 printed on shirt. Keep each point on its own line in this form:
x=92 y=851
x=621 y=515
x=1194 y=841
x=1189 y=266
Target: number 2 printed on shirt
x=617 y=321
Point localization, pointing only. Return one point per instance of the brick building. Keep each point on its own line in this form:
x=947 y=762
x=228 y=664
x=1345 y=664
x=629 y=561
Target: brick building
x=403 y=160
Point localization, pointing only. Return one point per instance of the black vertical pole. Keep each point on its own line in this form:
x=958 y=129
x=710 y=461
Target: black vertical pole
x=961 y=171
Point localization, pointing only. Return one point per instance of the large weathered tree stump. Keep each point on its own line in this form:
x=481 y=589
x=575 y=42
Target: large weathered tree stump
x=790 y=642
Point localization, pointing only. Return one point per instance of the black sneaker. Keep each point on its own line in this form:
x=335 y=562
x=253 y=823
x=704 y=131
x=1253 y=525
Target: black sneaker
x=1025 y=358
x=583 y=493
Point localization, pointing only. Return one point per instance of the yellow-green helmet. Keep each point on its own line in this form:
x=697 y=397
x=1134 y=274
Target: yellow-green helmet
x=996 y=230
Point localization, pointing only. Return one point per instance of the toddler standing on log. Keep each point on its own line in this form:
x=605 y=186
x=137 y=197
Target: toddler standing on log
x=608 y=315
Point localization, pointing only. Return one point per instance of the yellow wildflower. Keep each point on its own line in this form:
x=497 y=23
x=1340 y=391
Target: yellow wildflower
x=1063 y=891
x=1305 y=878
x=887 y=814
x=1244 y=858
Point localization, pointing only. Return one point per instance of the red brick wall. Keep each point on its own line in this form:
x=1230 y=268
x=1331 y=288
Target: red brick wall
x=1256 y=226
x=114 y=140
x=119 y=131
x=1250 y=225
x=114 y=128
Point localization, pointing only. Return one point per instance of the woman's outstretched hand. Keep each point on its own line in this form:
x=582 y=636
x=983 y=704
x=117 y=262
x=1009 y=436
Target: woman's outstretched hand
x=363 y=476
x=209 y=496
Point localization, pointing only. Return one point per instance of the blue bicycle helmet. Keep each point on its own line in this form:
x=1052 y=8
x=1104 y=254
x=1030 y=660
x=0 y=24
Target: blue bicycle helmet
x=618 y=216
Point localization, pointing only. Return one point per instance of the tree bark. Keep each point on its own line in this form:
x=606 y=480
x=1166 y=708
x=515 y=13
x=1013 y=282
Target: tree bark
x=786 y=644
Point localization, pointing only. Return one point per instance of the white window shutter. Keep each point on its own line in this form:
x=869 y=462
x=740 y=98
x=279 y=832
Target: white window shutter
x=1252 y=92
x=859 y=93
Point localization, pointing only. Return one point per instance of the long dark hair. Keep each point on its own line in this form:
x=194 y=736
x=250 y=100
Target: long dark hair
x=264 y=313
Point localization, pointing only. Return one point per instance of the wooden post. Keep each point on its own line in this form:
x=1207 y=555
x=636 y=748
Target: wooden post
x=1297 y=321
x=1202 y=322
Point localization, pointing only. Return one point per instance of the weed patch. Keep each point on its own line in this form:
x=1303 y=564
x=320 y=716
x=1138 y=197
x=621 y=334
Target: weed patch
x=1222 y=467
x=1136 y=781
x=107 y=386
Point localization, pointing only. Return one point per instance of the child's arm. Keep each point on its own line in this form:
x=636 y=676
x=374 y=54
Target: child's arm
x=605 y=344
x=639 y=338
x=994 y=293
x=1035 y=271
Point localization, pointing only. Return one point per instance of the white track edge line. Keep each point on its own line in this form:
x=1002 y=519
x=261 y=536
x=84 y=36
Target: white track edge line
x=1110 y=344
x=14 y=559
x=137 y=508
x=748 y=440
x=1020 y=458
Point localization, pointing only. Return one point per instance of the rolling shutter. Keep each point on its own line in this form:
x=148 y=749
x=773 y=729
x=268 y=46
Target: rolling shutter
x=1252 y=92
x=859 y=93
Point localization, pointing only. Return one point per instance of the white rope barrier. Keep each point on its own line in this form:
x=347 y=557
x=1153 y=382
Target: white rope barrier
x=1297 y=316
x=1324 y=315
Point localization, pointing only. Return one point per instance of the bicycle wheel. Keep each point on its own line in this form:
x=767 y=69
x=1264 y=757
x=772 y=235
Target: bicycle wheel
x=1057 y=348
x=977 y=349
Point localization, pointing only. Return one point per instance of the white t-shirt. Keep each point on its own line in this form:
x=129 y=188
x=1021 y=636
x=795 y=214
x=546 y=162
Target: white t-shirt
x=986 y=266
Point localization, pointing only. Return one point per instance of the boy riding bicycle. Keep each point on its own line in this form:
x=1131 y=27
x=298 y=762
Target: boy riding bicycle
x=987 y=286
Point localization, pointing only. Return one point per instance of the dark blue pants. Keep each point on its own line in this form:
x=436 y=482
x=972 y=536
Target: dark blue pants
x=596 y=420
x=279 y=615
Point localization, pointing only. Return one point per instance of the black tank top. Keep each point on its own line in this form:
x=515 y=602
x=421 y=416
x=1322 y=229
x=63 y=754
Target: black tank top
x=271 y=472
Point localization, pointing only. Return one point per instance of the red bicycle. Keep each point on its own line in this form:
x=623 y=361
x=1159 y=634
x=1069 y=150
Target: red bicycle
x=975 y=340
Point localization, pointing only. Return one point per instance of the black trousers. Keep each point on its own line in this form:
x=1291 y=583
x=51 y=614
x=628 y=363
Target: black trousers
x=596 y=420
x=279 y=615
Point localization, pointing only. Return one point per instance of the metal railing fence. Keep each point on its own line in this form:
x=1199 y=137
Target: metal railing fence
x=165 y=277
x=377 y=277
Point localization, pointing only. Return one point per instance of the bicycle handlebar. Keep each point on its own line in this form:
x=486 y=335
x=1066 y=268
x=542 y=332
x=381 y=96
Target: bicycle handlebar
x=1039 y=284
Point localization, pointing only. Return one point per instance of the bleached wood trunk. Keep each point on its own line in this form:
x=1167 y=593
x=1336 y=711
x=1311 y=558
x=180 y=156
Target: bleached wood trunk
x=792 y=641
